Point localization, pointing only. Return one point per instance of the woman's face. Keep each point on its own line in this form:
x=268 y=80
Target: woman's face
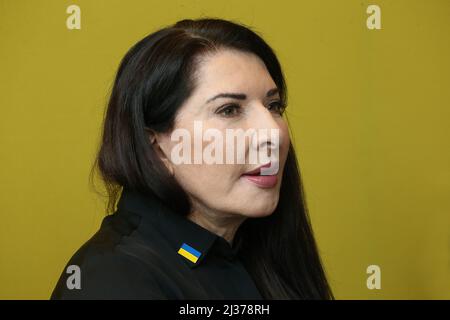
x=223 y=187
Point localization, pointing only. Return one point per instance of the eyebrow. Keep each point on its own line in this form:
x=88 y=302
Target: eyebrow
x=241 y=96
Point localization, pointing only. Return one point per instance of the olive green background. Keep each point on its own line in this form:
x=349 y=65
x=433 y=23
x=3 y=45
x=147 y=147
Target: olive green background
x=369 y=111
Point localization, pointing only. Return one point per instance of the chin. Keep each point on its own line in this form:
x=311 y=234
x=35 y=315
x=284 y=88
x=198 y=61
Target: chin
x=259 y=209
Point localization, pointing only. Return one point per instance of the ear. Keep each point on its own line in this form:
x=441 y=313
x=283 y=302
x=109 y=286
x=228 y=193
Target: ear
x=156 y=142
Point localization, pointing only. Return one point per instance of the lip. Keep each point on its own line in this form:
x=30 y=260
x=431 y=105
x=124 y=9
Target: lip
x=264 y=181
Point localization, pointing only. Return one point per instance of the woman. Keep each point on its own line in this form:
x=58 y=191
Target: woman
x=198 y=229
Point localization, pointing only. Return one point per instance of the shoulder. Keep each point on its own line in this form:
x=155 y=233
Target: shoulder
x=99 y=270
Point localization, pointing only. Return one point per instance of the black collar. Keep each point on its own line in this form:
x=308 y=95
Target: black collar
x=178 y=230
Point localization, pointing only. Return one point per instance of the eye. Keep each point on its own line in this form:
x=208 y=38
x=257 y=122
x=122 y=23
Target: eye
x=230 y=110
x=277 y=106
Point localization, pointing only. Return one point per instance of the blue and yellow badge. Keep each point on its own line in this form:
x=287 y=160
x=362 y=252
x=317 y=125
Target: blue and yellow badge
x=189 y=253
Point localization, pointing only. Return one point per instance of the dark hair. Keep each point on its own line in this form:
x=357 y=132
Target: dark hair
x=153 y=80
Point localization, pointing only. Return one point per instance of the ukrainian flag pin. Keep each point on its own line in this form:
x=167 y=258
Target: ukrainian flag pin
x=189 y=253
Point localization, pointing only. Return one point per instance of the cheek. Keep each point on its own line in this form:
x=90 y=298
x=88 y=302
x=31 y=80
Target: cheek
x=206 y=182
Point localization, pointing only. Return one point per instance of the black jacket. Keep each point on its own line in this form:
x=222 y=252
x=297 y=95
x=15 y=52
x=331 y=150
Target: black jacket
x=146 y=251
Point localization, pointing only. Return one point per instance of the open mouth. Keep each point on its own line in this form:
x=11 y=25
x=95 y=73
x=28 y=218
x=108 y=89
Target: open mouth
x=261 y=180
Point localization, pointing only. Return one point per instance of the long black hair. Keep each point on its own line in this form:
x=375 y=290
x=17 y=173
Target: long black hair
x=153 y=80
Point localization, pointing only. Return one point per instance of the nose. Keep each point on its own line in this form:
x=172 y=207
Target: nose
x=264 y=121
x=267 y=136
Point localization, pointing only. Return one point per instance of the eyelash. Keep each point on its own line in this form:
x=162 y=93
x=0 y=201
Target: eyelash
x=238 y=108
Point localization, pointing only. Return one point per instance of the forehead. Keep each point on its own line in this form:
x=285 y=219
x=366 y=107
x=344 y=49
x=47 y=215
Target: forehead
x=233 y=71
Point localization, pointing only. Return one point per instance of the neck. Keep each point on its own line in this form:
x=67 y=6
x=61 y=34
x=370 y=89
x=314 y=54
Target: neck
x=224 y=225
